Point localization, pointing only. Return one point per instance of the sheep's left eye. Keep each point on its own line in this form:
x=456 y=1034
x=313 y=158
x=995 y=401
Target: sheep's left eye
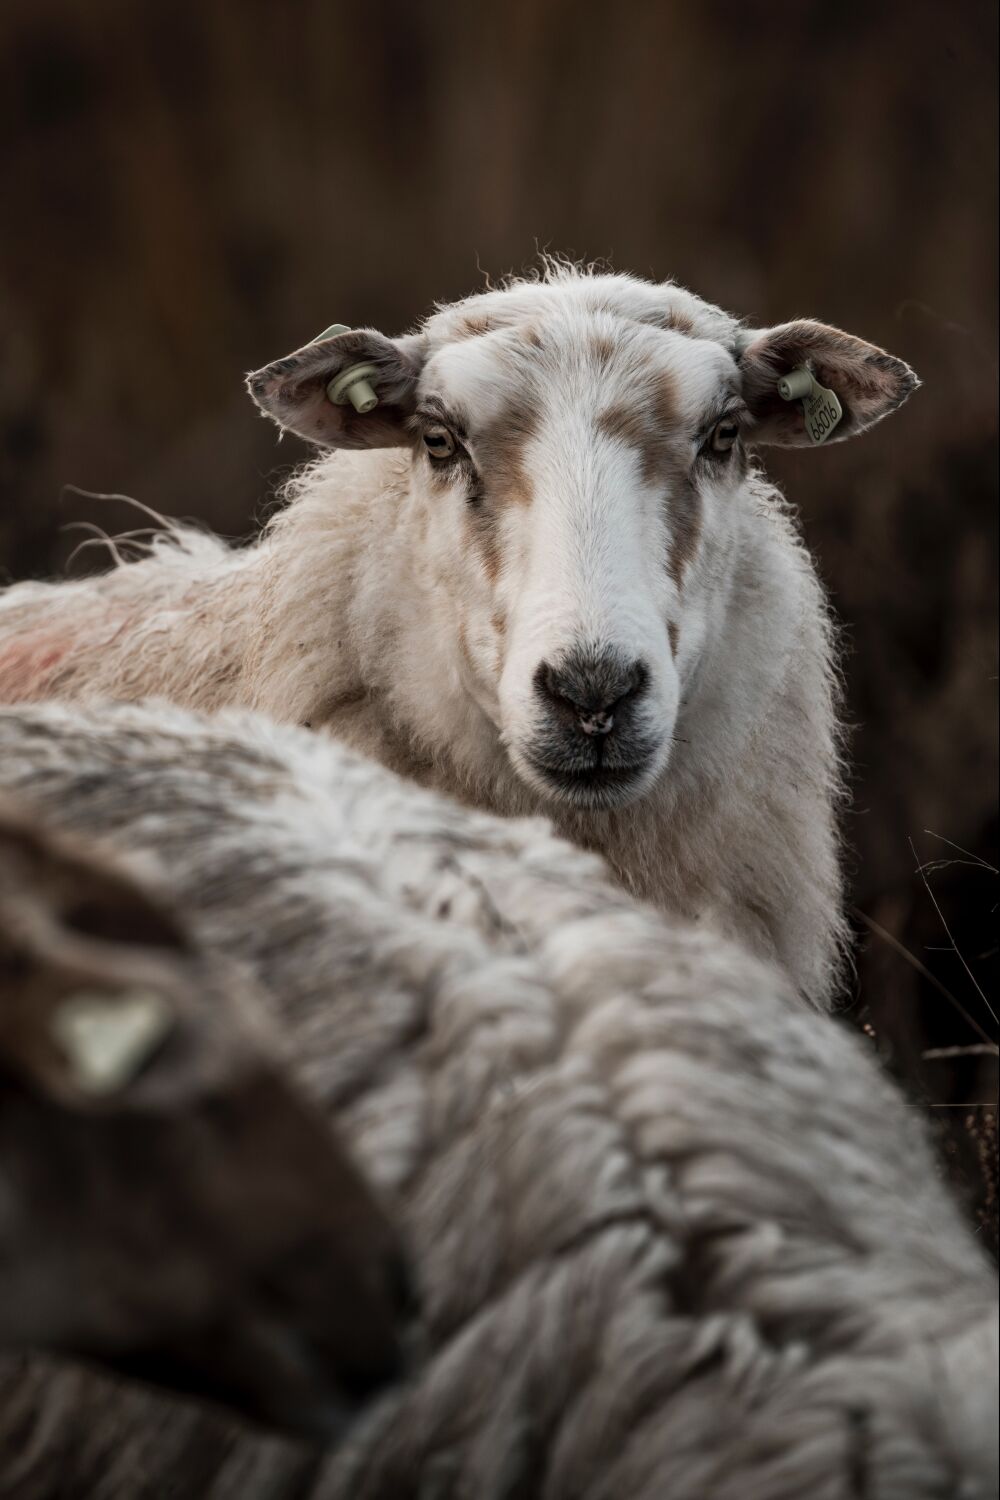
x=439 y=442
x=724 y=435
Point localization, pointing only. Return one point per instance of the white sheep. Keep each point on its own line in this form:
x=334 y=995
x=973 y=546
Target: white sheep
x=660 y=1251
x=170 y=1205
x=553 y=580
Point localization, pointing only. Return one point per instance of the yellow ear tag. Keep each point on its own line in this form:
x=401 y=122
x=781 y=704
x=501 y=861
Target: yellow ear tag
x=820 y=407
x=351 y=385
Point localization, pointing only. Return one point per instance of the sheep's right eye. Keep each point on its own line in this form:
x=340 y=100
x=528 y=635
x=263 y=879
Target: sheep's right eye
x=439 y=442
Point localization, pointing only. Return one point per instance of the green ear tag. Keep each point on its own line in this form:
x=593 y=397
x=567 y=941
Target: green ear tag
x=331 y=332
x=351 y=385
x=107 y=1038
x=820 y=407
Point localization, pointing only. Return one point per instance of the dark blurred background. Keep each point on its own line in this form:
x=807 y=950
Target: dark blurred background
x=193 y=187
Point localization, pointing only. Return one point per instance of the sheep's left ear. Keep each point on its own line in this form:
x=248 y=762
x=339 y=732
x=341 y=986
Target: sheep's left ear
x=294 y=391
x=868 y=383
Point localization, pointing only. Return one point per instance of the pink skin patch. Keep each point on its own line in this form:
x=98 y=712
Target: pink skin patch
x=26 y=665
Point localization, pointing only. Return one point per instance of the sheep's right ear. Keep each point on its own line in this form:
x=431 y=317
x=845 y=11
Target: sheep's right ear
x=867 y=382
x=294 y=391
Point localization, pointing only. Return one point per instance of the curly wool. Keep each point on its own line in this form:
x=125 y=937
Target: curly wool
x=661 y=1249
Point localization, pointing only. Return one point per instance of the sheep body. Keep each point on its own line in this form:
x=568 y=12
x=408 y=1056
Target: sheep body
x=659 y=1250
x=358 y=611
x=743 y=838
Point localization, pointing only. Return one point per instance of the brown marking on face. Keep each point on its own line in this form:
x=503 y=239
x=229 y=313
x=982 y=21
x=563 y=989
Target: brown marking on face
x=499 y=624
x=532 y=336
x=646 y=424
x=602 y=349
x=664 y=401
x=473 y=326
x=484 y=533
x=625 y=422
x=500 y=450
x=656 y=450
x=684 y=513
x=674 y=633
x=463 y=646
x=502 y=480
x=678 y=321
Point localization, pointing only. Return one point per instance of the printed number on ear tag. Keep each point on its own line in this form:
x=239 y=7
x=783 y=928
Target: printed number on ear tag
x=822 y=412
x=820 y=407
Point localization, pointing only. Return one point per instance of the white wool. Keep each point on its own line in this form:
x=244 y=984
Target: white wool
x=659 y=1251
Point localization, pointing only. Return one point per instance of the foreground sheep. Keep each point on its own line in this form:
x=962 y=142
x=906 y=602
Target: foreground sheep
x=564 y=586
x=675 y=1235
x=169 y=1205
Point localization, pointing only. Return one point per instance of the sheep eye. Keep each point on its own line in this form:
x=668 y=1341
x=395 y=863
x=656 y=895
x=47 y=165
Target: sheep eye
x=724 y=435
x=439 y=442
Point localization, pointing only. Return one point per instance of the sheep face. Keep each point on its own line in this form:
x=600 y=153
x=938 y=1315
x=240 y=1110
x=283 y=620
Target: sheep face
x=578 y=476
x=584 y=462
x=174 y=1212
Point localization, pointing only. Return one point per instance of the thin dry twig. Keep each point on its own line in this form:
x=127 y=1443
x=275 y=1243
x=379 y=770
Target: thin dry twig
x=961 y=957
x=922 y=969
x=975 y=1049
x=975 y=858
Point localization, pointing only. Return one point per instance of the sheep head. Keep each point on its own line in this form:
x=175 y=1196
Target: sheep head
x=580 y=453
x=171 y=1207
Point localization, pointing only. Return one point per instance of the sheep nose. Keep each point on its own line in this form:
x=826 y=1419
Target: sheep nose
x=590 y=687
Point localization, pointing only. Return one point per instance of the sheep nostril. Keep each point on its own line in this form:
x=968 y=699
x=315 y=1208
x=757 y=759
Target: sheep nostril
x=591 y=689
x=596 y=724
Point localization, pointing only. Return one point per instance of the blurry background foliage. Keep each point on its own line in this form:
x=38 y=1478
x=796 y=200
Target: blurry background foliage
x=193 y=187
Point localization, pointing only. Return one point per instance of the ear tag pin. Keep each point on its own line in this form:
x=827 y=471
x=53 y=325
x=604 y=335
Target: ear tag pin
x=820 y=407
x=352 y=384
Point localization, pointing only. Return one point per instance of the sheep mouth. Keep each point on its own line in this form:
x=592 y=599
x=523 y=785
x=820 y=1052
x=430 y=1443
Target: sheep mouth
x=597 y=785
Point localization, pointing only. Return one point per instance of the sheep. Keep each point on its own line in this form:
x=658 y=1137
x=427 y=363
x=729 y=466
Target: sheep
x=659 y=1251
x=171 y=1206
x=551 y=578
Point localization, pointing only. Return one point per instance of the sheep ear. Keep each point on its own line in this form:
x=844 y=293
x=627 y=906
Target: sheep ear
x=86 y=960
x=82 y=1042
x=867 y=382
x=294 y=391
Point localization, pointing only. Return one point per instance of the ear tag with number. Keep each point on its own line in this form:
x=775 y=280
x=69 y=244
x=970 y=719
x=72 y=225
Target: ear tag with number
x=820 y=407
x=351 y=384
